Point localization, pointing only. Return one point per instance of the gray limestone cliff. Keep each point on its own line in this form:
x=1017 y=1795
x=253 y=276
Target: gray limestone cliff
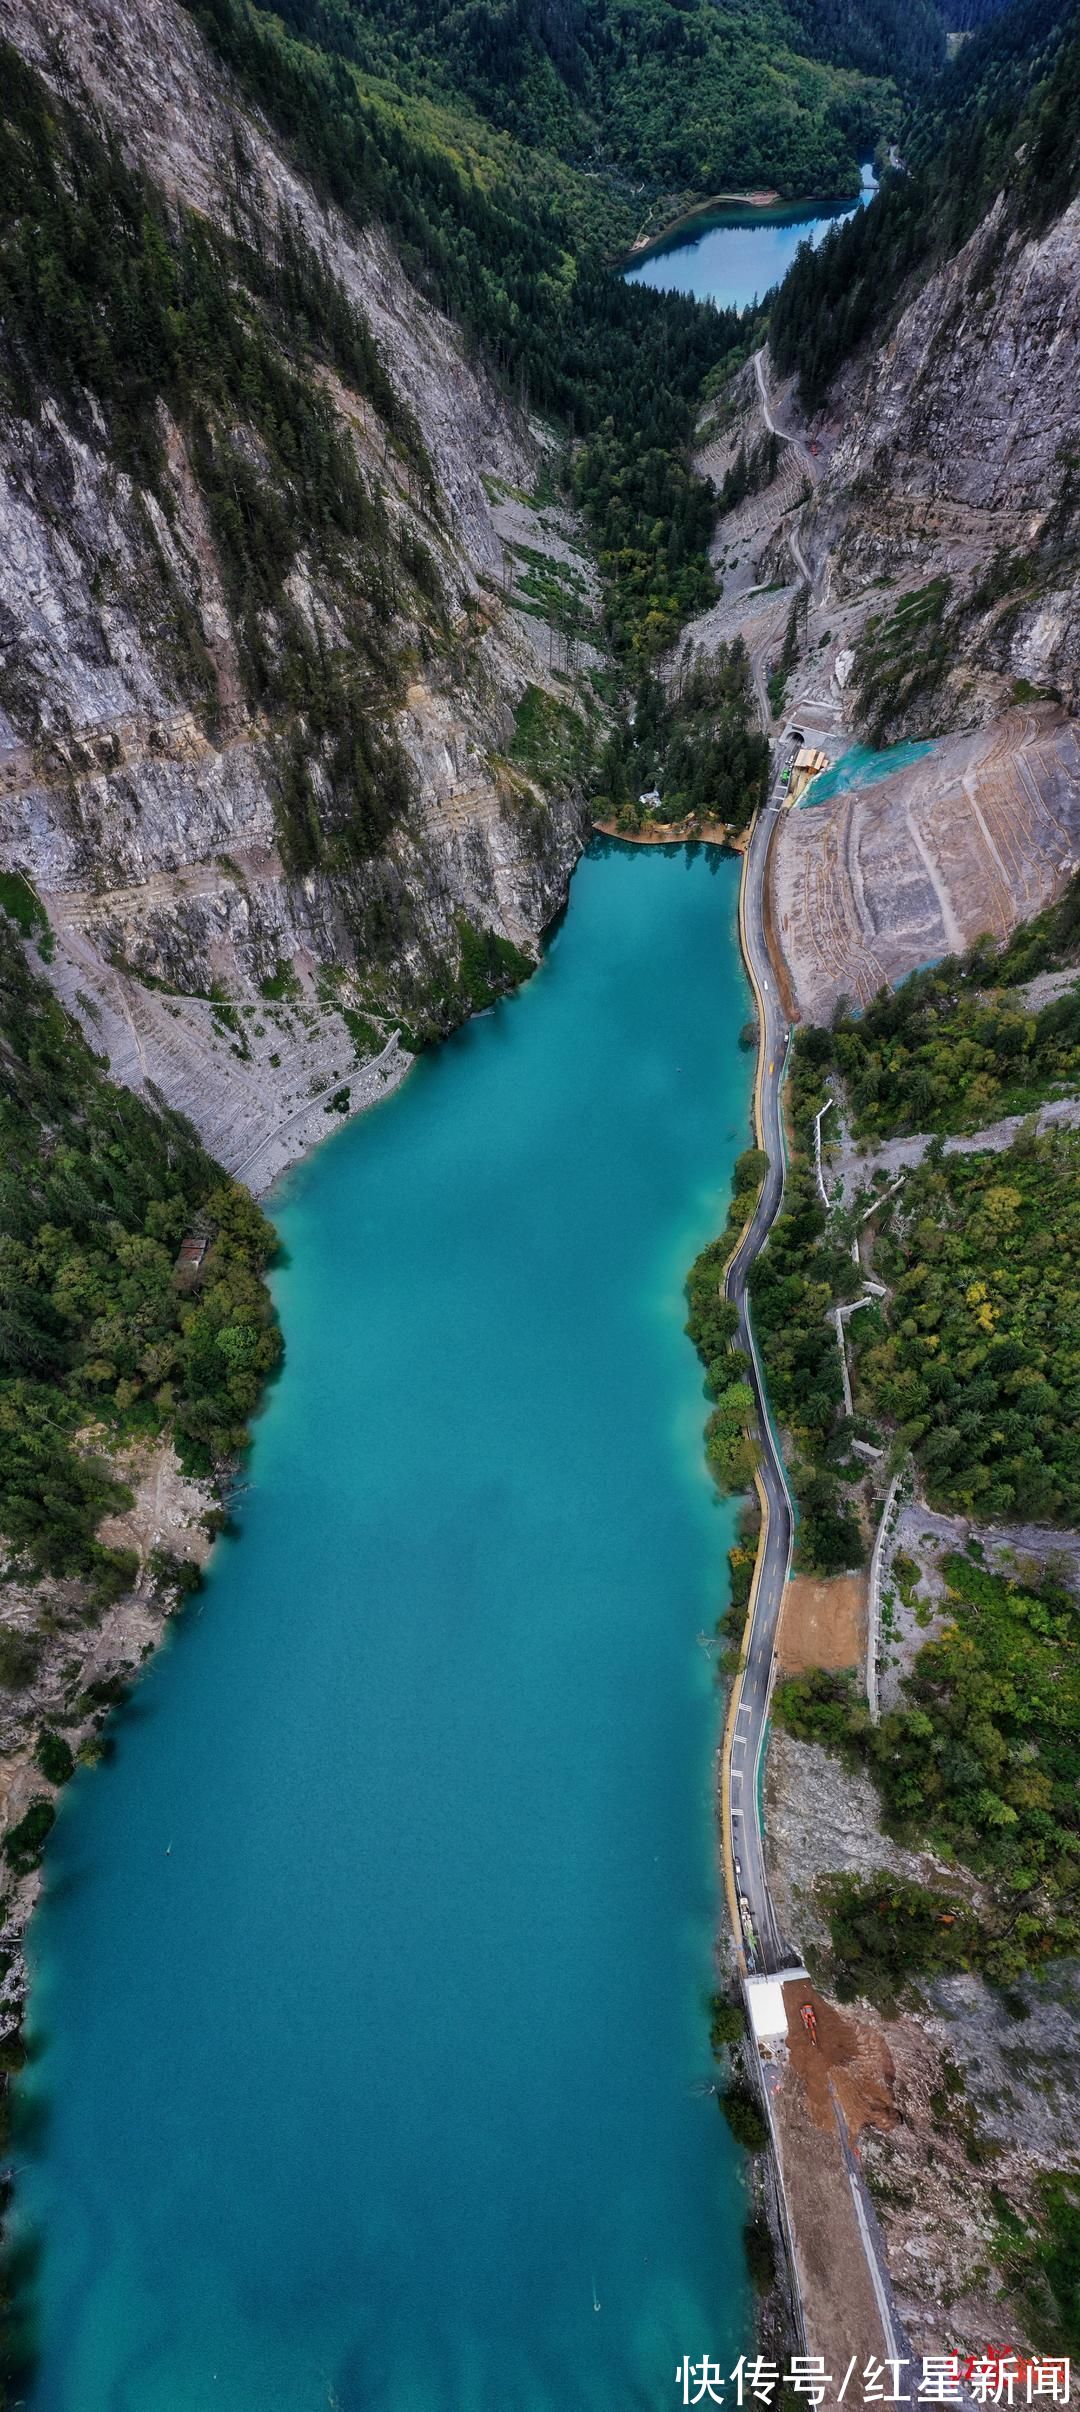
x=951 y=455
x=158 y=787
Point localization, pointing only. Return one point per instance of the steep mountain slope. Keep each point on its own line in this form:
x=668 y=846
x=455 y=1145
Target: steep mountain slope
x=948 y=437
x=955 y=464
x=906 y=549
x=260 y=667
x=664 y=96
x=300 y=654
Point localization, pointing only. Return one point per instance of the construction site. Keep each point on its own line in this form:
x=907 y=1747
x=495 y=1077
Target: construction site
x=896 y=871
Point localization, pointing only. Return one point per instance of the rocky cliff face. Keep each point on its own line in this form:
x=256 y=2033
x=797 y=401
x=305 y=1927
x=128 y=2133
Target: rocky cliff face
x=952 y=455
x=189 y=822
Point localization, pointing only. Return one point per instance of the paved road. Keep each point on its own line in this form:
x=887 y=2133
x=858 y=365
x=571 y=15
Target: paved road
x=768 y=1952
x=767 y=1949
x=751 y=1707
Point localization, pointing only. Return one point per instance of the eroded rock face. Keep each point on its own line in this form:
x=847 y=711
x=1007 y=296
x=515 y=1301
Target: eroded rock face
x=953 y=452
x=979 y=834
x=141 y=785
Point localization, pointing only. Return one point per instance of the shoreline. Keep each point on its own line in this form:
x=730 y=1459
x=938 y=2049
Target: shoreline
x=699 y=209
x=678 y=833
x=755 y=2184
x=643 y=244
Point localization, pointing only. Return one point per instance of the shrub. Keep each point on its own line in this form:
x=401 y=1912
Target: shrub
x=25 y=1843
x=745 y=2117
x=760 y=2253
x=20 y=1657
x=726 y=2022
x=54 y=1756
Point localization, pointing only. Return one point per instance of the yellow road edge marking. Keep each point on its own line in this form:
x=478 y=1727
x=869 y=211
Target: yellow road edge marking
x=727 y=1839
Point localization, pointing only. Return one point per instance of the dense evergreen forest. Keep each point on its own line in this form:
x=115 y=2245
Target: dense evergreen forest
x=100 y=1339
x=973 y=1358
x=699 y=95
x=110 y=300
x=622 y=368
x=1005 y=116
x=694 y=744
x=498 y=143
x=966 y=16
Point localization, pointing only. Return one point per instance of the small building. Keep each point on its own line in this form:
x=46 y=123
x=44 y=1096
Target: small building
x=808 y=762
x=189 y=1263
x=768 y=2012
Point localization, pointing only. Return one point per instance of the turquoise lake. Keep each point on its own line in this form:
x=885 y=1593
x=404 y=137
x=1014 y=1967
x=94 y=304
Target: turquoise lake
x=370 y=1989
x=733 y=256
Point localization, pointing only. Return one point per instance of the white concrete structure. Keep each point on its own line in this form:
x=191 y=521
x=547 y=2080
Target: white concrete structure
x=765 y=1996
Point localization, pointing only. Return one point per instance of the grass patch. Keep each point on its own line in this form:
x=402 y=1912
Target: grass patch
x=281 y=983
x=551 y=741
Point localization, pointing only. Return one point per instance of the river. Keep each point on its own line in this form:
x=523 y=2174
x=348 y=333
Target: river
x=370 y=1990
x=734 y=255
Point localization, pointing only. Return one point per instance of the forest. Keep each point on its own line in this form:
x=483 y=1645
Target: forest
x=973 y=1360
x=805 y=1269
x=401 y=115
x=711 y=1324
x=1005 y=115
x=982 y=1766
x=959 y=1044
x=502 y=248
x=110 y=299
x=976 y=1359
x=785 y=94
x=693 y=742
x=100 y=1341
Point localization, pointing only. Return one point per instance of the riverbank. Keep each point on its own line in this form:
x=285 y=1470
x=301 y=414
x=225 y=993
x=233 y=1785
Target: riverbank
x=686 y=215
x=79 y=1665
x=677 y=833
x=440 y=1731
x=685 y=212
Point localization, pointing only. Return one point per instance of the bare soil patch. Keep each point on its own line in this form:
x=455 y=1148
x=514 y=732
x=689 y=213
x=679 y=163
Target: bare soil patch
x=822 y=1623
x=773 y=940
x=848 y=2063
x=839 y=2303
x=677 y=833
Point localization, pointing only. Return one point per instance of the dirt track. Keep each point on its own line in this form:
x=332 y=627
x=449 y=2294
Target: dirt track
x=848 y=2064
x=846 y=2076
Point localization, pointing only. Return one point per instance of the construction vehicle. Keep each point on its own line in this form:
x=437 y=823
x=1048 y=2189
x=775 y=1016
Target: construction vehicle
x=809 y=2021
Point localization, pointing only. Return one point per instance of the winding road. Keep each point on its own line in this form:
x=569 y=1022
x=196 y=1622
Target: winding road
x=766 y=1951
x=791 y=532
